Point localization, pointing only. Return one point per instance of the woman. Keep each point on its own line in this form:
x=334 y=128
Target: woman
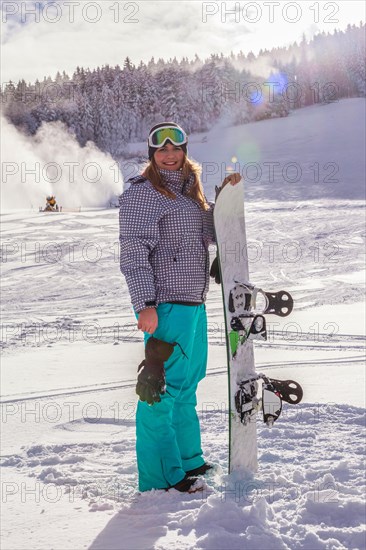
x=166 y=226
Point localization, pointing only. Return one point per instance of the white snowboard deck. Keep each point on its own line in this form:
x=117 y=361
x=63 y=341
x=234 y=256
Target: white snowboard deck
x=232 y=247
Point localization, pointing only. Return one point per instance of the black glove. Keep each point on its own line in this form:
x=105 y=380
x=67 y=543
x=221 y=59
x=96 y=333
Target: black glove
x=215 y=271
x=217 y=190
x=151 y=373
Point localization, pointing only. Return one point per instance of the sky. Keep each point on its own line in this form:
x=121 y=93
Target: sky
x=41 y=38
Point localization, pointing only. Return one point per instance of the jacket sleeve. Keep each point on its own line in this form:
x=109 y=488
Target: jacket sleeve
x=139 y=215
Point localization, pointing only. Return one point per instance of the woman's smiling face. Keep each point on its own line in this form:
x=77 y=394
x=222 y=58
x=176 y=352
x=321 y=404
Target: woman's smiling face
x=169 y=157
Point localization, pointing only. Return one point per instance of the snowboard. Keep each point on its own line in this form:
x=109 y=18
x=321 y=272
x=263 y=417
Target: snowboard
x=244 y=308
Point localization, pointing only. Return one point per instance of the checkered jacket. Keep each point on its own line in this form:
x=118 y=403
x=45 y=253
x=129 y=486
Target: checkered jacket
x=164 y=242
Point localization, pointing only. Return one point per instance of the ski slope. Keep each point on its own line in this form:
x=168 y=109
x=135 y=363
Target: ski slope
x=71 y=350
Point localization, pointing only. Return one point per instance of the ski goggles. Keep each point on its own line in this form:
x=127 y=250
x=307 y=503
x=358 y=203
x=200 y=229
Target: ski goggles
x=160 y=136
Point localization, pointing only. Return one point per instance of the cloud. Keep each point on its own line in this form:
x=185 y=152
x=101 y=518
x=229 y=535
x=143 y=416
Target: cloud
x=64 y=35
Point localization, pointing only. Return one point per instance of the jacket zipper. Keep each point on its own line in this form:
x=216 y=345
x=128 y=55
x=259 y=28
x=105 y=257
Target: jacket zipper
x=203 y=242
x=205 y=276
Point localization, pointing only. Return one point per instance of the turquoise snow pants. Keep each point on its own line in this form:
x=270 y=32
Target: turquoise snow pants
x=168 y=439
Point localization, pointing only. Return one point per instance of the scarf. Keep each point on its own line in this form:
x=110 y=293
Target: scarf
x=175 y=181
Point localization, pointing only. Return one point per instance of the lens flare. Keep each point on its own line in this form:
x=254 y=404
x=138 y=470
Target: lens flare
x=248 y=152
x=279 y=81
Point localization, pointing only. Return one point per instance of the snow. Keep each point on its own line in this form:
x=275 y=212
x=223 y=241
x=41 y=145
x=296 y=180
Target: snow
x=71 y=350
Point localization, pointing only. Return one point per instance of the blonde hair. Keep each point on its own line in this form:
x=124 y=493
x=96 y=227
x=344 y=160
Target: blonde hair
x=151 y=172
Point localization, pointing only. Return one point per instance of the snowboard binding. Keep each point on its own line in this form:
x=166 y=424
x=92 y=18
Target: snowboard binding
x=245 y=399
x=251 y=327
x=273 y=393
x=248 y=321
x=243 y=300
x=271 y=401
x=279 y=303
x=289 y=390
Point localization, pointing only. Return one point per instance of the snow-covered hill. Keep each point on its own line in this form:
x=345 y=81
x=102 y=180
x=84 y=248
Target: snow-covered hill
x=314 y=153
x=71 y=349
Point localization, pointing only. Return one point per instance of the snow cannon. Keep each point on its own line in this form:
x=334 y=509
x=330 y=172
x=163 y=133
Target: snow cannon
x=51 y=204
